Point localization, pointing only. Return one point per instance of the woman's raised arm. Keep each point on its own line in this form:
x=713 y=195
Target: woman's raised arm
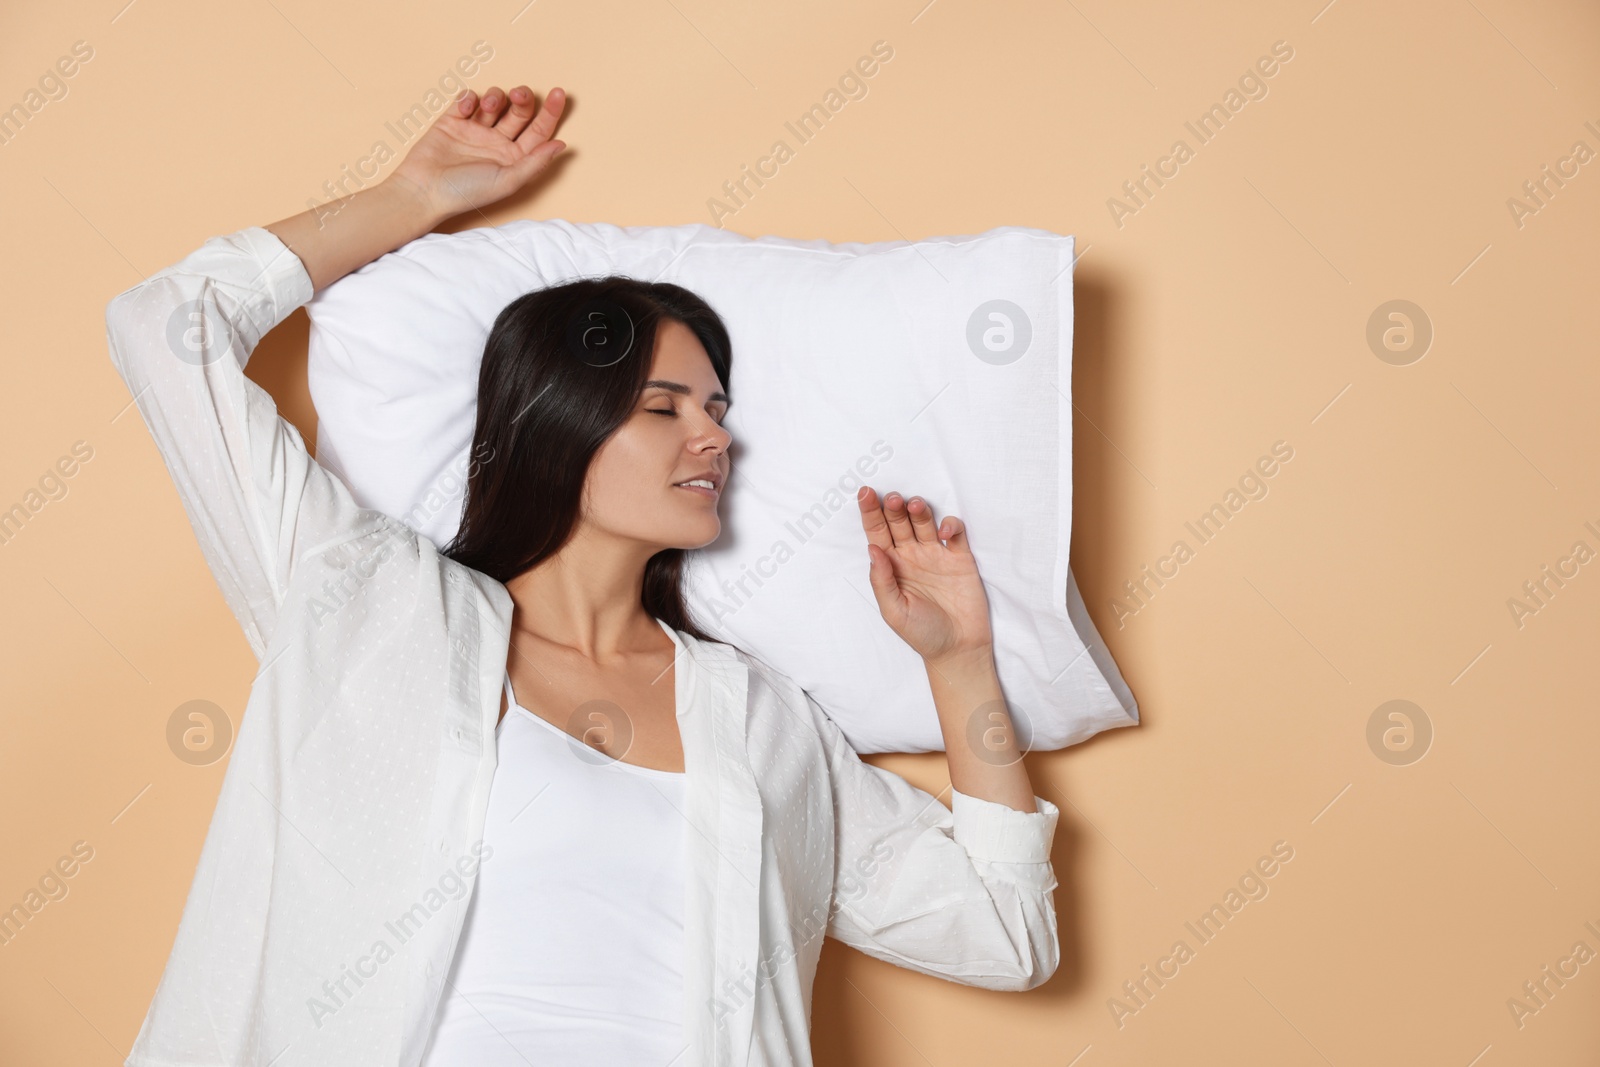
x=180 y=339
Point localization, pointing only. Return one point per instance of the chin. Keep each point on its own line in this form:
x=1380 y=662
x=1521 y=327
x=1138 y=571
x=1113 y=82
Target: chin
x=706 y=538
x=711 y=539
x=691 y=527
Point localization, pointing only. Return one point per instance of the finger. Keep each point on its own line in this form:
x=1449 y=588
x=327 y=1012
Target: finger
x=922 y=524
x=514 y=120
x=880 y=575
x=955 y=534
x=544 y=123
x=466 y=103
x=489 y=109
x=872 y=519
x=894 y=509
x=524 y=169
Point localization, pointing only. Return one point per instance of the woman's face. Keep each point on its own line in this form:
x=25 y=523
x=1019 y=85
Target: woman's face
x=674 y=435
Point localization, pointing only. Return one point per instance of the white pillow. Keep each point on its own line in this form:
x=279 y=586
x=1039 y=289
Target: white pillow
x=940 y=367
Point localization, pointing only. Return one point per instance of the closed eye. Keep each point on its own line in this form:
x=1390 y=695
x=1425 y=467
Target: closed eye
x=670 y=411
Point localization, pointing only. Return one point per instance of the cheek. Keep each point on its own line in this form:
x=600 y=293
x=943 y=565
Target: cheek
x=628 y=467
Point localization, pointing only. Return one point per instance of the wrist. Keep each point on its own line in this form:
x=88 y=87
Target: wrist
x=414 y=201
x=962 y=663
x=965 y=672
x=336 y=238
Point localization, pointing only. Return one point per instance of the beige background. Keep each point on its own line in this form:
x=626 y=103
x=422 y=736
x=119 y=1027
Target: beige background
x=1226 y=313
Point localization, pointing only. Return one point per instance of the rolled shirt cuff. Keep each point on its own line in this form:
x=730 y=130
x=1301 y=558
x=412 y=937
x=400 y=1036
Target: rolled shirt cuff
x=1002 y=834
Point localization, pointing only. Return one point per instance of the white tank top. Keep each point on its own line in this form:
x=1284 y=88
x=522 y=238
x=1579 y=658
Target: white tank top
x=572 y=951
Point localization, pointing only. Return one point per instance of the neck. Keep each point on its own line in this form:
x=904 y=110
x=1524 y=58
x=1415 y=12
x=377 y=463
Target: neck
x=586 y=598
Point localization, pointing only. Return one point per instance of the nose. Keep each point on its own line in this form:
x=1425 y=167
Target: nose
x=713 y=446
x=713 y=436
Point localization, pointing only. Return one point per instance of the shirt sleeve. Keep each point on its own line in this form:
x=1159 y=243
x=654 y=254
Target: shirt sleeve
x=965 y=894
x=257 y=500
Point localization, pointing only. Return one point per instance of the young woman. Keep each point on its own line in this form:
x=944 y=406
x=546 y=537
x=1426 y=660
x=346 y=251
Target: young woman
x=505 y=803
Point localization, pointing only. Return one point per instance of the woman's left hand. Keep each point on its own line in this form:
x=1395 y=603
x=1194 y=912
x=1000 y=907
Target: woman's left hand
x=481 y=151
x=929 y=592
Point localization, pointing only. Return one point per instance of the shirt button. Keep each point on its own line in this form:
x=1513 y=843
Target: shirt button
x=444 y=846
x=457 y=733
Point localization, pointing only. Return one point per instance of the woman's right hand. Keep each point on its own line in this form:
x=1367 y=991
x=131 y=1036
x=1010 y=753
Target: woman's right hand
x=481 y=151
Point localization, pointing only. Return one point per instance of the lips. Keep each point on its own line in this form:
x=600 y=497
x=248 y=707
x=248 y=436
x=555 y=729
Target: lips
x=700 y=489
x=714 y=477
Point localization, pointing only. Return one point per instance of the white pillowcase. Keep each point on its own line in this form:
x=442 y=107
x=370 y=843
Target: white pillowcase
x=940 y=367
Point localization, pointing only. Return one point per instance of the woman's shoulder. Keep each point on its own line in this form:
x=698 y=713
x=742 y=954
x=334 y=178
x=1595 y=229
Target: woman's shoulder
x=382 y=542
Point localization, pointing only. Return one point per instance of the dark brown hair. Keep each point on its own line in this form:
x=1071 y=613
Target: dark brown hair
x=550 y=392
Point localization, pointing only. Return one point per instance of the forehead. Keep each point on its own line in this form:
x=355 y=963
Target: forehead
x=680 y=357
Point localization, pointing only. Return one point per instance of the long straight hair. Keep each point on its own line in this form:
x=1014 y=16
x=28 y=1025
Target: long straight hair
x=550 y=392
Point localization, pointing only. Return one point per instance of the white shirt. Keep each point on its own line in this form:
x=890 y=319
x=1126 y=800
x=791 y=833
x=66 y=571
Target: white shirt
x=340 y=860
x=573 y=946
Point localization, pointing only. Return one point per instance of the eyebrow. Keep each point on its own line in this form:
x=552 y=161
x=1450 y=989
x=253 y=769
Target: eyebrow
x=683 y=390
